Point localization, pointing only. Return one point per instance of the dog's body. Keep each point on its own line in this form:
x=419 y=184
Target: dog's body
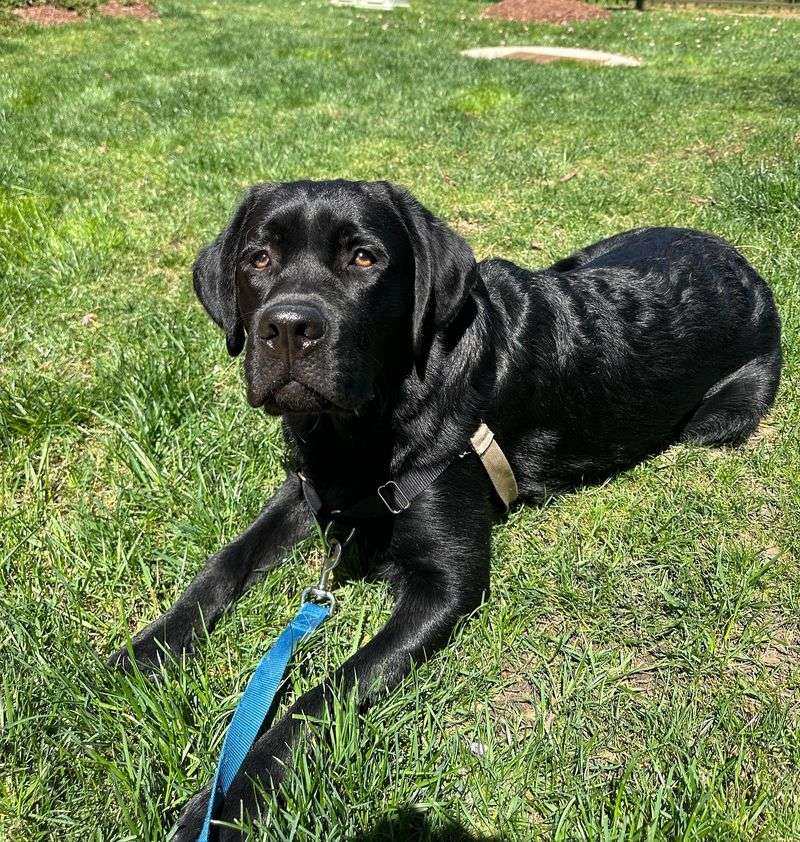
x=372 y=330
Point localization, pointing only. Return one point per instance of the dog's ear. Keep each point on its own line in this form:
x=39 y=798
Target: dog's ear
x=444 y=269
x=214 y=276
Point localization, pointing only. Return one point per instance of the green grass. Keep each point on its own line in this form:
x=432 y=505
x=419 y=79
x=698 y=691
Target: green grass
x=635 y=675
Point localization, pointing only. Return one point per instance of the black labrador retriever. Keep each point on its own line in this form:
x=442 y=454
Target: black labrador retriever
x=370 y=328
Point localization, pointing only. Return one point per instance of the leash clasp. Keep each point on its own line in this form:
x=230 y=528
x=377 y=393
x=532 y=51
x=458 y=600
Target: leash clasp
x=320 y=597
x=333 y=554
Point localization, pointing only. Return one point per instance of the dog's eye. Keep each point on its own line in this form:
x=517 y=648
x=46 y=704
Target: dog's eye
x=260 y=260
x=363 y=259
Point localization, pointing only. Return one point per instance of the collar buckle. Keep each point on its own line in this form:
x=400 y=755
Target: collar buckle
x=399 y=496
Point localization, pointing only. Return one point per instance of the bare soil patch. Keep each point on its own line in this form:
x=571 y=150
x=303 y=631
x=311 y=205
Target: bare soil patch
x=545 y=11
x=54 y=16
x=46 y=15
x=115 y=9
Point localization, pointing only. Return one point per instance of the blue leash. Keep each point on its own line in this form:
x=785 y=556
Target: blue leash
x=316 y=606
x=257 y=700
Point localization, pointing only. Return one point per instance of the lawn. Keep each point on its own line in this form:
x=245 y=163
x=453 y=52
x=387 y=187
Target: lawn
x=635 y=674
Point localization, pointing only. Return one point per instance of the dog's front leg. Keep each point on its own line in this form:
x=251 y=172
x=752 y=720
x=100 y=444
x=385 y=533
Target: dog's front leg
x=282 y=523
x=445 y=581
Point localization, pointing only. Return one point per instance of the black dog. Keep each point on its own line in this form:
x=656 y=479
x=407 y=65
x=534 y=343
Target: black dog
x=369 y=327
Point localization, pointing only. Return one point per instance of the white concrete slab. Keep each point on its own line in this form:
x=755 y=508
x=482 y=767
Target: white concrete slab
x=383 y=5
x=553 y=54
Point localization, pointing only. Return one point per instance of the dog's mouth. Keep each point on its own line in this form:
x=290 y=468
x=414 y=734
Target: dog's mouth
x=295 y=396
x=292 y=396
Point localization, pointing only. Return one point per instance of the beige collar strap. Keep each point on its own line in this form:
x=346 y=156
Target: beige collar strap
x=494 y=461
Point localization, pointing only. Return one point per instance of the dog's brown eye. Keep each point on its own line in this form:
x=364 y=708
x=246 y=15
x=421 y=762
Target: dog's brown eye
x=363 y=259
x=260 y=260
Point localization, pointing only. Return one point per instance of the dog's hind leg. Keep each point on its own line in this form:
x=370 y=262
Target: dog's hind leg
x=732 y=408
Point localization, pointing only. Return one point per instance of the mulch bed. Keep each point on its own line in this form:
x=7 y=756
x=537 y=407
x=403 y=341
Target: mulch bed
x=115 y=9
x=545 y=11
x=46 y=15
x=54 y=16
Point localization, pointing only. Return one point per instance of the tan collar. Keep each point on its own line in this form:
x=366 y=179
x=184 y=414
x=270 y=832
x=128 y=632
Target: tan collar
x=494 y=461
x=396 y=495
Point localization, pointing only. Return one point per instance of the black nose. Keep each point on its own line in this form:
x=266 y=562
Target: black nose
x=291 y=330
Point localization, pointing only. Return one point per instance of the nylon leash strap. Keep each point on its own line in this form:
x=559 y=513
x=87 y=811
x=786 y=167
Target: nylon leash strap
x=391 y=498
x=256 y=701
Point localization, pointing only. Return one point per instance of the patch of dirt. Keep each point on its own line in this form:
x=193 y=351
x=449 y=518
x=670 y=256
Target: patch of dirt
x=782 y=651
x=515 y=699
x=764 y=434
x=643 y=677
x=55 y=16
x=115 y=9
x=545 y=11
x=714 y=152
x=46 y=15
x=467 y=228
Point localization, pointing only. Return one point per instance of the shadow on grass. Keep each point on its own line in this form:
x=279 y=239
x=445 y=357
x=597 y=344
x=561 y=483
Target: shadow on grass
x=410 y=825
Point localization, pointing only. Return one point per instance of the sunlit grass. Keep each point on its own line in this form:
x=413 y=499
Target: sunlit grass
x=635 y=673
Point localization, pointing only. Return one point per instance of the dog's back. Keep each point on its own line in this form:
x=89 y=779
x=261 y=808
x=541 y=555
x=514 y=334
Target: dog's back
x=638 y=341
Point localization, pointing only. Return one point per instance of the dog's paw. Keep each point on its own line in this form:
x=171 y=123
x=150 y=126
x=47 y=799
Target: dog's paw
x=191 y=819
x=124 y=660
x=251 y=795
x=242 y=806
x=148 y=653
x=249 y=798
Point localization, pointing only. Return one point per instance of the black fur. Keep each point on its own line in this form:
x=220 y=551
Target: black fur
x=583 y=369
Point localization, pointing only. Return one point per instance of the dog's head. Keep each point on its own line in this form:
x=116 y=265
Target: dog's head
x=330 y=287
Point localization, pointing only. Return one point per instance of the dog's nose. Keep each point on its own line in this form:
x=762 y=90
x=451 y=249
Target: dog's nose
x=291 y=330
